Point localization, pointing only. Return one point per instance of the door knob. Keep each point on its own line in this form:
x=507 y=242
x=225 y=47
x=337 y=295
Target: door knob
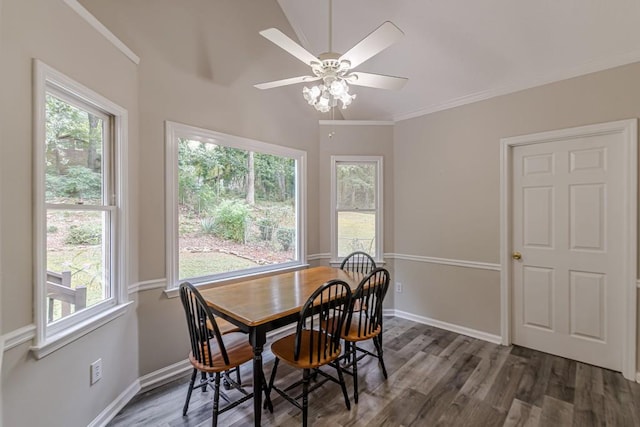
x=516 y=255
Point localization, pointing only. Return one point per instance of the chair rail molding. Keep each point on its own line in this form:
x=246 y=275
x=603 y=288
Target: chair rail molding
x=19 y=336
x=445 y=261
x=146 y=285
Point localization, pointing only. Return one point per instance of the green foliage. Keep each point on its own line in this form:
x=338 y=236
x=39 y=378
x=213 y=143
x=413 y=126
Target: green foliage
x=230 y=220
x=208 y=225
x=285 y=237
x=356 y=185
x=275 y=177
x=210 y=172
x=78 y=182
x=73 y=151
x=52 y=229
x=266 y=226
x=88 y=234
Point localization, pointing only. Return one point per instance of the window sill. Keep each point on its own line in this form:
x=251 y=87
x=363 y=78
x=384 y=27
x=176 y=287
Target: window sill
x=175 y=292
x=57 y=341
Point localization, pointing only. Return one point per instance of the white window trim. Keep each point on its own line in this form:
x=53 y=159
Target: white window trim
x=378 y=160
x=75 y=326
x=173 y=131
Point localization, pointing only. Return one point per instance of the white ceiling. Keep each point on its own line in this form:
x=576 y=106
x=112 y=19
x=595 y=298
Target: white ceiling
x=459 y=51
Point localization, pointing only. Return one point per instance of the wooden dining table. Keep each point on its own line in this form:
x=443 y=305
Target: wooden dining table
x=263 y=304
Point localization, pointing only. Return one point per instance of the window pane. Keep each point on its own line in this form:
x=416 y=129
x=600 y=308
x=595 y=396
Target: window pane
x=356 y=232
x=356 y=185
x=74 y=143
x=236 y=209
x=77 y=253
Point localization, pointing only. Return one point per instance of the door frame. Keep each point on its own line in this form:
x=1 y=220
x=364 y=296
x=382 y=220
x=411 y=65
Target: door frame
x=629 y=130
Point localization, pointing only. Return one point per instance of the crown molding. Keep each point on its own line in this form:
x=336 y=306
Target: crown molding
x=99 y=27
x=517 y=86
x=357 y=122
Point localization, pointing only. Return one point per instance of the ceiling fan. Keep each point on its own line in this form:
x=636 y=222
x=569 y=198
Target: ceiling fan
x=335 y=71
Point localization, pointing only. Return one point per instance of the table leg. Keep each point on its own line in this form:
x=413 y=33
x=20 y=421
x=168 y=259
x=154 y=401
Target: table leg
x=257 y=337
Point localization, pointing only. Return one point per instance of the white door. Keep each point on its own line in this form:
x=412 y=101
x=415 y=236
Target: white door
x=568 y=222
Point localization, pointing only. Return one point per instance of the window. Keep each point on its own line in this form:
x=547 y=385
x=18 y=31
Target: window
x=356 y=202
x=234 y=206
x=79 y=152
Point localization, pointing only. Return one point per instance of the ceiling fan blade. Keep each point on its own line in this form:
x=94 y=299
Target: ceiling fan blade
x=278 y=37
x=284 y=82
x=380 y=39
x=379 y=81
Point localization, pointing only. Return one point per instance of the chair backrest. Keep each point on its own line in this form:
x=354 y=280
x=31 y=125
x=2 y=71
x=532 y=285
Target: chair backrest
x=370 y=294
x=197 y=312
x=358 y=262
x=324 y=313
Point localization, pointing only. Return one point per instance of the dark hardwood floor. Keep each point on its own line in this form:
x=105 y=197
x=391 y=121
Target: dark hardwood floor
x=436 y=378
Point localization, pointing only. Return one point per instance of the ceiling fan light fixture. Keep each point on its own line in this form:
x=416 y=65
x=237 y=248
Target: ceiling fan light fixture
x=338 y=87
x=326 y=96
x=311 y=95
x=347 y=99
x=334 y=70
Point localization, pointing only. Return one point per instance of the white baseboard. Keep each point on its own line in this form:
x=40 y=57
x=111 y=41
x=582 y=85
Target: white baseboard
x=169 y=373
x=463 y=330
x=116 y=406
x=158 y=378
x=164 y=375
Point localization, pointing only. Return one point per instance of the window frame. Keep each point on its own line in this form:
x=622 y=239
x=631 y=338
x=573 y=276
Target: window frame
x=50 y=337
x=174 y=131
x=379 y=205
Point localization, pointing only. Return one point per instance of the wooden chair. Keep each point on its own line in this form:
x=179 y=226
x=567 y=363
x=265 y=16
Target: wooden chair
x=365 y=324
x=225 y=327
x=315 y=343
x=213 y=353
x=358 y=262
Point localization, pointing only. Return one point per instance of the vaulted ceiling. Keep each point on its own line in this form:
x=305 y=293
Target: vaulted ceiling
x=456 y=51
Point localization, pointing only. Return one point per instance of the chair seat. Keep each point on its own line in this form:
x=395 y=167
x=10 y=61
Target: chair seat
x=238 y=349
x=224 y=325
x=353 y=335
x=284 y=349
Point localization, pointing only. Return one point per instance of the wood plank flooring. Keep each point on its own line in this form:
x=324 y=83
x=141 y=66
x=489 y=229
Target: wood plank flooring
x=436 y=378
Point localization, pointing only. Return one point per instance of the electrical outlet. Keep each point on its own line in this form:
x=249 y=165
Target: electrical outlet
x=399 y=287
x=96 y=371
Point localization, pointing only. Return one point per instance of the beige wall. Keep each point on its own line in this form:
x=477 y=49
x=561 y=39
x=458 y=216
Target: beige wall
x=447 y=188
x=199 y=61
x=355 y=140
x=59 y=383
